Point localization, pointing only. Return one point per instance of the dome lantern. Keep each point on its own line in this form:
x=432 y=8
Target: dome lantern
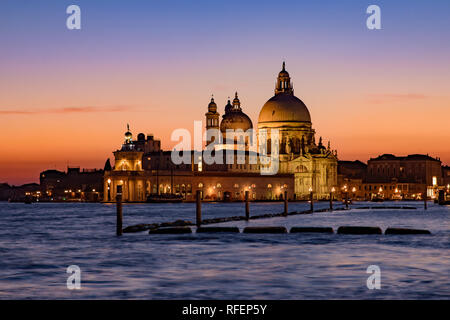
x=284 y=84
x=228 y=107
x=284 y=107
x=212 y=106
x=236 y=103
x=128 y=135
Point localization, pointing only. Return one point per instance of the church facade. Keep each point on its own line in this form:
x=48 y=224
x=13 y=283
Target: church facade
x=314 y=166
x=143 y=169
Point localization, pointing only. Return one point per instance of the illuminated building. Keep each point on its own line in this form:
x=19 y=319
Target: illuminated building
x=313 y=165
x=303 y=163
x=393 y=177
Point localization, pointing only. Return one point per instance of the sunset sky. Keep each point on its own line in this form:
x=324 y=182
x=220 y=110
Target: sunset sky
x=67 y=95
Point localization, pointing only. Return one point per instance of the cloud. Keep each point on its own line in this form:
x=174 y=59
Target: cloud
x=66 y=110
x=395 y=97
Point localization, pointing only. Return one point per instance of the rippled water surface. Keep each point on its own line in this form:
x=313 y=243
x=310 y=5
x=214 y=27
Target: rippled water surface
x=39 y=241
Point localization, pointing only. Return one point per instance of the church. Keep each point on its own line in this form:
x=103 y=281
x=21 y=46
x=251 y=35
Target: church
x=143 y=169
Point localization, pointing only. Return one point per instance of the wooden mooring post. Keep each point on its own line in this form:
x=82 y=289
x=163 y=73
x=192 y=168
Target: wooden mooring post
x=247 y=206
x=285 y=203
x=199 y=208
x=311 y=199
x=425 y=199
x=346 y=200
x=119 y=214
x=331 y=200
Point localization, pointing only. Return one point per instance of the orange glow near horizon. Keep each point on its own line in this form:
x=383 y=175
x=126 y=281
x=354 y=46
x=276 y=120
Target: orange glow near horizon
x=66 y=96
x=82 y=130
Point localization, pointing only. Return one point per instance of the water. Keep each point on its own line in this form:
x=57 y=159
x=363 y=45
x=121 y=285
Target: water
x=39 y=241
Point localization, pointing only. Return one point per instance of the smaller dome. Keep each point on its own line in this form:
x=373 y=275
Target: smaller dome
x=234 y=118
x=212 y=106
x=235 y=121
x=212 y=103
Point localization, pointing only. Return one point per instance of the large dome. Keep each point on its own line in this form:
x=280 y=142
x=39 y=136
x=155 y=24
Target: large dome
x=284 y=107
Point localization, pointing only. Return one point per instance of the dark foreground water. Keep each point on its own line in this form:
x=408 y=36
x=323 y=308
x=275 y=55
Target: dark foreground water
x=39 y=241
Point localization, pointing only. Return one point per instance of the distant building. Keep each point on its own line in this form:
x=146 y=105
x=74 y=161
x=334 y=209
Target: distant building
x=75 y=184
x=393 y=177
x=446 y=177
x=19 y=193
x=403 y=177
x=351 y=176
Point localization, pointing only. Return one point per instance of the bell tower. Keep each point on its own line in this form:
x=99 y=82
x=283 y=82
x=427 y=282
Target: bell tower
x=212 y=120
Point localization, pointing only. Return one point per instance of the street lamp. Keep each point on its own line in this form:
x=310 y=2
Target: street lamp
x=109 y=189
x=346 y=196
x=331 y=198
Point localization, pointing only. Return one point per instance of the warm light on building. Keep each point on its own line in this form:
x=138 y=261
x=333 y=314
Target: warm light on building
x=200 y=164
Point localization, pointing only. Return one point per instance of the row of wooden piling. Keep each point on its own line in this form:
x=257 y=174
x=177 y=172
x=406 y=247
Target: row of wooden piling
x=350 y=230
x=199 y=207
x=247 y=205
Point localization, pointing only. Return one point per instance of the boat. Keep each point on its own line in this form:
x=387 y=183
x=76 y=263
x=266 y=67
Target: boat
x=164 y=198
x=27 y=200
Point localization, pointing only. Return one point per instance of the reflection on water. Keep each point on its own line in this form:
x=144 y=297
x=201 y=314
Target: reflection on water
x=39 y=241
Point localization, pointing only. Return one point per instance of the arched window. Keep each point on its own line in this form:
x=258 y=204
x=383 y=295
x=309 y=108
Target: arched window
x=301 y=169
x=200 y=185
x=269 y=186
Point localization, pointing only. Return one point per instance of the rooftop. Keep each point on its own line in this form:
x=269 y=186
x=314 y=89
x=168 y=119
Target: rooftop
x=387 y=156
